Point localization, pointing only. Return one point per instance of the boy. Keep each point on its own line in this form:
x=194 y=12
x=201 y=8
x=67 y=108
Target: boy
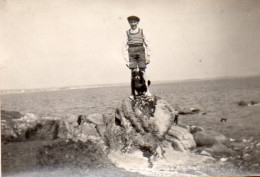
x=136 y=49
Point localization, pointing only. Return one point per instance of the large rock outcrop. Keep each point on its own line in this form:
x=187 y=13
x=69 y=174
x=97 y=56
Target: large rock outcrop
x=145 y=124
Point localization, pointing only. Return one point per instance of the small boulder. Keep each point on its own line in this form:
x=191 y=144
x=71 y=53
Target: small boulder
x=242 y=103
x=186 y=111
x=209 y=138
x=88 y=129
x=219 y=150
x=205 y=153
x=181 y=138
x=252 y=102
x=95 y=118
x=195 y=110
x=9 y=115
x=7 y=132
x=22 y=125
x=46 y=129
x=193 y=129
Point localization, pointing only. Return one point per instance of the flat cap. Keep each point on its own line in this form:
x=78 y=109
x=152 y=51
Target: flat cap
x=133 y=18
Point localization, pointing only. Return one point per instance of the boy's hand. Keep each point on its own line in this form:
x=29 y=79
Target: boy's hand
x=127 y=63
x=147 y=61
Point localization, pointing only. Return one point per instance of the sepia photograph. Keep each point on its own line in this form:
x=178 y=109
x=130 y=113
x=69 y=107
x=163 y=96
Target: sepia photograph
x=130 y=88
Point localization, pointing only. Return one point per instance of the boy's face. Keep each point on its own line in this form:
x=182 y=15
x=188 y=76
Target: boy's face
x=133 y=24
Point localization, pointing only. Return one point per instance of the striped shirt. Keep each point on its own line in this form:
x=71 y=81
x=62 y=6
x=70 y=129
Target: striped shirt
x=125 y=45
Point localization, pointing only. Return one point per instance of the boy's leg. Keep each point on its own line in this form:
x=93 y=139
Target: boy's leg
x=132 y=58
x=141 y=58
x=132 y=67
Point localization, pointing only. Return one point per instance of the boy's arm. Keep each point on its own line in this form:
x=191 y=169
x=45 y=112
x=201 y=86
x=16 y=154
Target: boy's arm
x=125 y=49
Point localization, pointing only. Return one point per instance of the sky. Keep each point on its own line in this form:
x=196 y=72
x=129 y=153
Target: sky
x=61 y=43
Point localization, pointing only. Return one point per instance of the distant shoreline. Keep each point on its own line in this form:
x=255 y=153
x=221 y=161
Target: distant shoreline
x=21 y=91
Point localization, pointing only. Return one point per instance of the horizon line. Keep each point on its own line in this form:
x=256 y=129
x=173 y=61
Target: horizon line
x=75 y=87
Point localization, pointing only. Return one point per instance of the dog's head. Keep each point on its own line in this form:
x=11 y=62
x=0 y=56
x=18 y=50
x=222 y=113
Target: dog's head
x=138 y=75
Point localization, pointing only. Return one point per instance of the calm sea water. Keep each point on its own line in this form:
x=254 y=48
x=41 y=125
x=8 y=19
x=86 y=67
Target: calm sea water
x=218 y=98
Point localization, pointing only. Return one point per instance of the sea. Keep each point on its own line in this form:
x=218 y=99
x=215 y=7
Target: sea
x=217 y=98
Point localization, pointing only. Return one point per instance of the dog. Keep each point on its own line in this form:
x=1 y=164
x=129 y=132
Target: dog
x=222 y=120
x=139 y=84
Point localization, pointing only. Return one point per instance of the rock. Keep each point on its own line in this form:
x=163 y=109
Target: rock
x=88 y=129
x=246 y=156
x=258 y=145
x=219 y=150
x=9 y=115
x=129 y=161
x=203 y=113
x=205 y=153
x=65 y=130
x=22 y=125
x=186 y=111
x=101 y=129
x=209 y=138
x=150 y=115
x=30 y=127
x=247 y=148
x=194 y=110
x=46 y=129
x=193 y=128
x=231 y=139
x=252 y=102
x=7 y=132
x=180 y=137
x=70 y=130
x=242 y=103
x=244 y=140
x=223 y=159
x=163 y=116
x=141 y=123
x=95 y=118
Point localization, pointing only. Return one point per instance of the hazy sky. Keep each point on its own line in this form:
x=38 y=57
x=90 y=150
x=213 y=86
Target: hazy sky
x=56 y=43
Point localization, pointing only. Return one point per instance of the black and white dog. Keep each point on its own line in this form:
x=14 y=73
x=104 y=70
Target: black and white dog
x=139 y=84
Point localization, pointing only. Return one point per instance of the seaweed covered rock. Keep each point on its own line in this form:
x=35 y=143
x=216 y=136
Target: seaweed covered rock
x=145 y=115
x=144 y=124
